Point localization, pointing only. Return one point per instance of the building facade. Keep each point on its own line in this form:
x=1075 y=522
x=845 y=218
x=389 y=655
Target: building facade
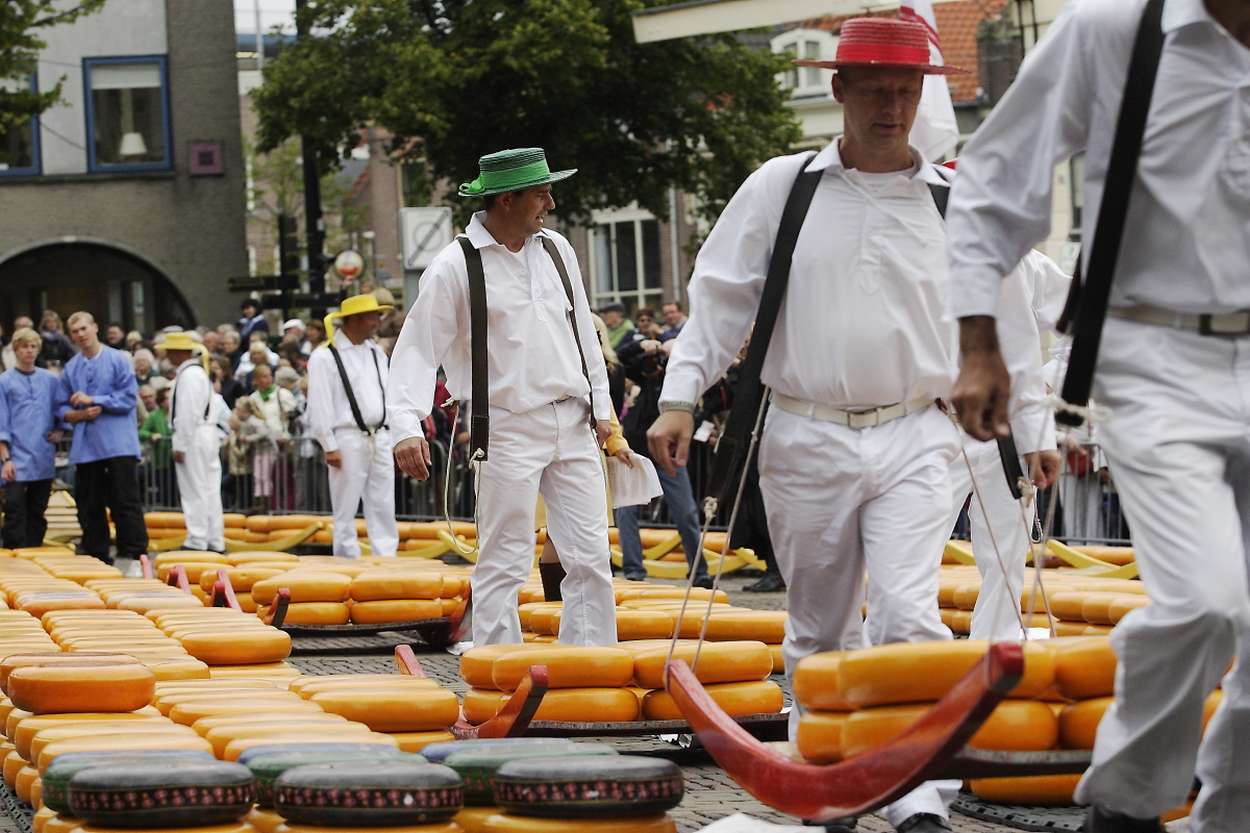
x=127 y=199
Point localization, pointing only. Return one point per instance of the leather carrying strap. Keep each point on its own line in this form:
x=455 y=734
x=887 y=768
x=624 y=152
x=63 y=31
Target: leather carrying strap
x=1090 y=299
x=479 y=420
x=351 y=395
x=1010 y=457
x=173 y=396
x=479 y=423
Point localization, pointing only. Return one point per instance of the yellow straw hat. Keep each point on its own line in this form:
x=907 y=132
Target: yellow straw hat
x=355 y=305
x=184 y=342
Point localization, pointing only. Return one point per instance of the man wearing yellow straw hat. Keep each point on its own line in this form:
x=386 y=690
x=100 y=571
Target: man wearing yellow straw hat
x=196 y=444
x=535 y=376
x=347 y=416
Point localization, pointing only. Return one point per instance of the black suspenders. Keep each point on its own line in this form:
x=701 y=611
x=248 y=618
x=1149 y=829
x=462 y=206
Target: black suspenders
x=173 y=396
x=351 y=395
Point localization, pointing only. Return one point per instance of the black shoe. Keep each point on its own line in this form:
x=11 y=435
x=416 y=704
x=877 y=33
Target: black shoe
x=770 y=583
x=704 y=582
x=847 y=825
x=1098 y=820
x=924 y=823
x=639 y=577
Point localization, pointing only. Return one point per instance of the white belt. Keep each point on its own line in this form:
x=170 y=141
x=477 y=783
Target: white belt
x=851 y=419
x=1216 y=324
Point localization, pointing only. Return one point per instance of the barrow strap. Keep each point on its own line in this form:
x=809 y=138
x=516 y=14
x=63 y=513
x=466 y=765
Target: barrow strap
x=1112 y=213
x=479 y=419
x=550 y=246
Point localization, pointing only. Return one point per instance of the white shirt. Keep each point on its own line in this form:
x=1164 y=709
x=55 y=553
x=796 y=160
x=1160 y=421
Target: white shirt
x=189 y=399
x=1187 y=237
x=864 y=322
x=328 y=409
x=532 y=356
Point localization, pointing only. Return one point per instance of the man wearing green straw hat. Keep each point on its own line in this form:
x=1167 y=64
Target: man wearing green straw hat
x=504 y=312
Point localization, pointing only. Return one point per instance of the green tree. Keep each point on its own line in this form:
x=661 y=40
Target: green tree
x=454 y=79
x=21 y=22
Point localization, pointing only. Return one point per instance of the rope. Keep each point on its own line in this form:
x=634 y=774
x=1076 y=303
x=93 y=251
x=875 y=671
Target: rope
x=475 y=461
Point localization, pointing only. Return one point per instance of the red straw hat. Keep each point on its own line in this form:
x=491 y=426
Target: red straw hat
x=883 y=42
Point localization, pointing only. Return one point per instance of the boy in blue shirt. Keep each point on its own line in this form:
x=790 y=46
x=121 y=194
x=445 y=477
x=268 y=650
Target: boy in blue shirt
x=28 y=436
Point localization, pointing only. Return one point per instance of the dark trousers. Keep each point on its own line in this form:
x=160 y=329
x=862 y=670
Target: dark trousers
x=24 y=507
x=113 y=484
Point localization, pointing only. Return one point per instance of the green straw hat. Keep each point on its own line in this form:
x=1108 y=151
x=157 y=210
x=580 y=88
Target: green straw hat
x=512 y=170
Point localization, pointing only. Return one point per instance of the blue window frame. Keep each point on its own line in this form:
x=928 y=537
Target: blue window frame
x=19 y=145
x=128 y=126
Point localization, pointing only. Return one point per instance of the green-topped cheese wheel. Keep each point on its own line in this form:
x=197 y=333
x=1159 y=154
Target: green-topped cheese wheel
x=56 y=776
x=379 y=793
x=162 y=794
x=437 y=753
x=376 y=749
x=478 y=768
x=266 y=768
x=567 y=788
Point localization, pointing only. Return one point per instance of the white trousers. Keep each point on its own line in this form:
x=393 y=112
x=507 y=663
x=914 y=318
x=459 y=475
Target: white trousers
x=199 y=488
x=840 y=502
x=549 y=450
x=367 y=473
x=1178 y=445
x=996 y=615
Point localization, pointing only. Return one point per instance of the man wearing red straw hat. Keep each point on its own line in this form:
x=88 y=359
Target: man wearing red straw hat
x=854 y=460
x=1155 y=93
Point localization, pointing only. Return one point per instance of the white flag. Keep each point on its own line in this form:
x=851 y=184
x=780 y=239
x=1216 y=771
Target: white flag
x=936 y=132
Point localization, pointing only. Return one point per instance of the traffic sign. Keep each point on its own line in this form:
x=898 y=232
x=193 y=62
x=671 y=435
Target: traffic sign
x=425 y=232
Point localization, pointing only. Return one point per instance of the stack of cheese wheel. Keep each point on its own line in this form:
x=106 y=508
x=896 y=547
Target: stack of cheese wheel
x=586 y=685
x=855 y=701
x=28 y=586
x=22 y=633
x=319 y=596
x=413 y=711
x=243 y=570
x=734 y=674
x=403 y=593
x=231 y=643
x=235 y=715
x=123 y=632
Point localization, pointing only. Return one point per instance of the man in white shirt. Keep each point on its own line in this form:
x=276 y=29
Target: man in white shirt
x=854 y=460
x=545 y=375
x=196 y=445
x=1171 y=371
x=347 y=416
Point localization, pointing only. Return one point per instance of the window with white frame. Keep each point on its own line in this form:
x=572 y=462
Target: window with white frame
x=128 y=113
x=625 y=262
x=19 y=142
x=806 y=43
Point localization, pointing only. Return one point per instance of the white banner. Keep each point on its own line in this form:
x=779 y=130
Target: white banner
x=936 y=132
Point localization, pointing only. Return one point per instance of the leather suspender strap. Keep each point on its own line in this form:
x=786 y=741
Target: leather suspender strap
x=1113 y=212
x=734 y=442
x=941 y=197
x=351 y=395
x=550 y=246
x=479 y=421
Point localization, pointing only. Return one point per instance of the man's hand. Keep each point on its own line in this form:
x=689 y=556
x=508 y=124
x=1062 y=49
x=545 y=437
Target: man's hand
x=669 y=439
x=80 y=399
x=334 y=458
x=8 y=473
x=180 y=456
x=85 y=415
x=625 y=457
x=983 y=389
x=93 y=412
x=1043 y=467
x=603 y=430
x=413 y=457
x=55 y=436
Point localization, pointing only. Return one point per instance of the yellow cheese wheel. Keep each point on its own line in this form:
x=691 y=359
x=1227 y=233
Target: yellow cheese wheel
x=1068 y=629
x=816 y=682
x=1033 y=790
x=416 y=741
x=1096 y=609
x=415 y=710
x=1069 y=604
x=226 y=647
x=261 y=821
x=318 y=613
x=29 y=730
x=737 y=699
x=1078 y=722
x=218 y=721
x=37 y=604
x=305 y=586
x=23 y=730
x=436 y=827
x=47 y=737
x=524 y=612
x=26 y=777
x=1015 y=725
x=48 y=689
x=570 y=705
x=767 y=626
x=719 y=662
x=188 y=557
x=188 y=713
x=508 y=823
x=917 y=672
x=1084 y=668
x=223 y=735
x=252 y=557
x=396 y=610
x=62 y=824
x=40 y=819
x=644 y=624
x=15 y=661
x=166 y=703
x=375 y=682
x=162 y=601
x=271 y=671
x=195 y=570
x=568 y=666
x=384 y=584
x=235 y=748
x=185 y=668
x=13 y=764
x=1125 y=605
x=120 y=743
x=819 y=738
x=545 y=620
x=477 y=664
x=965 y=595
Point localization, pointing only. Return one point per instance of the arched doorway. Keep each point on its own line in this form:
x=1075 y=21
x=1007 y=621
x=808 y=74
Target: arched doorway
x=108 y=282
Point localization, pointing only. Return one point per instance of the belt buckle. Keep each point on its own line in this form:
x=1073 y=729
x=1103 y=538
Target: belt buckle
x=853 y=418
x=1206 y=328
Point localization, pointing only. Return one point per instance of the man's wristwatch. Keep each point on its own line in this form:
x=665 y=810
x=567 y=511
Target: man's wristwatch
x=675 y=405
